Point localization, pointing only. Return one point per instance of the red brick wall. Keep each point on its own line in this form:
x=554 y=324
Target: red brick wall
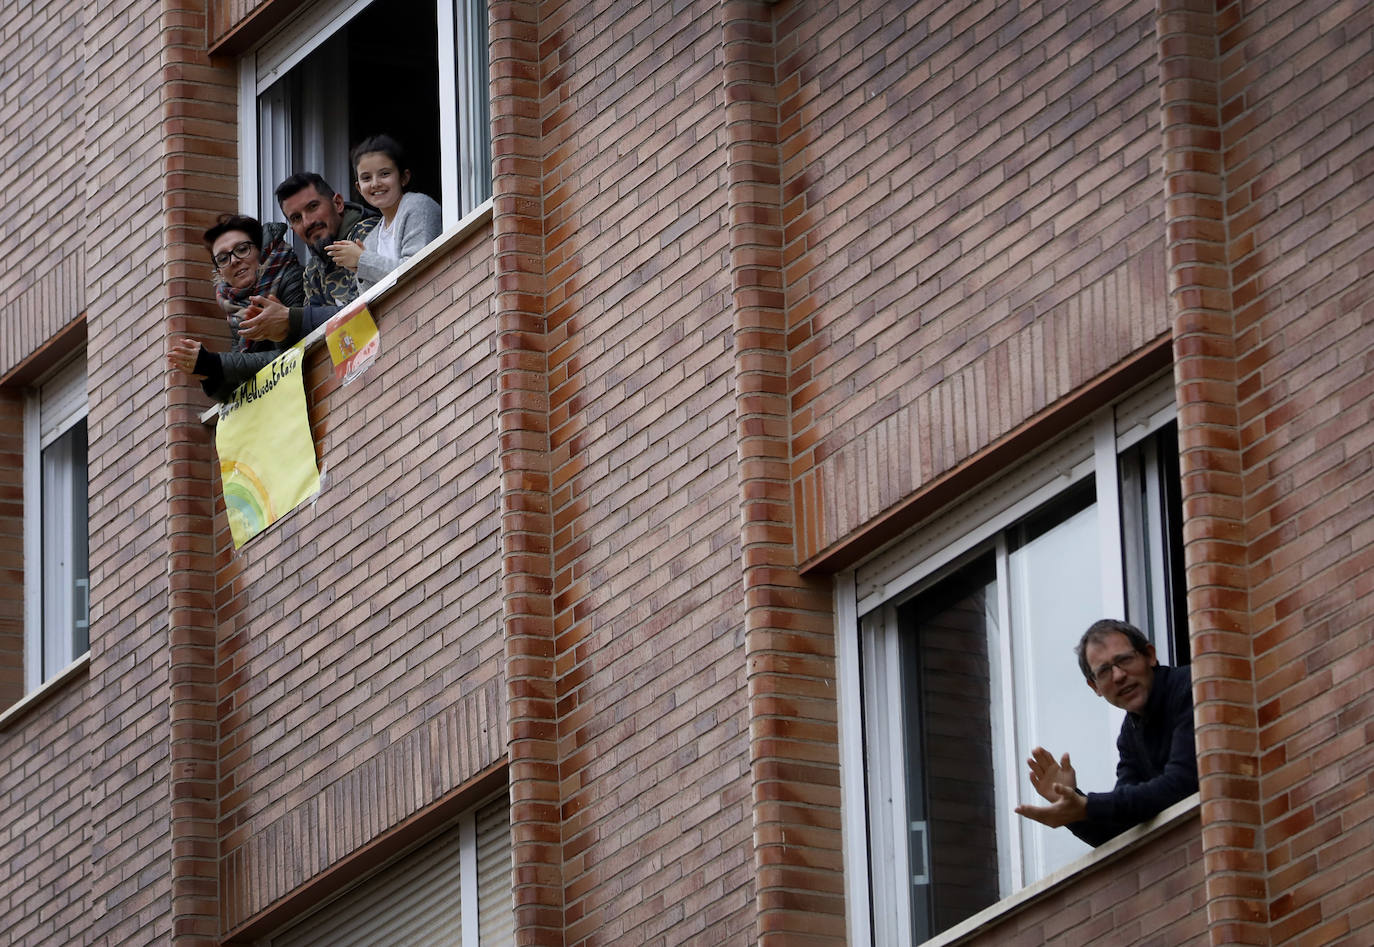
x=42 y=276
x=557 y=507
x=519 y=88
x=359 y=639
x=235 y=25
x=647 y=595
x=1210 y=462
x=1298 y=107
x=1151 y=895
x=44 y=771
x=41 y=272
x=200 y=177
x=125 y=273
x=1270 y=246
x=83 y=103
x=789 y=629
x=45 y=830
x=973 y=218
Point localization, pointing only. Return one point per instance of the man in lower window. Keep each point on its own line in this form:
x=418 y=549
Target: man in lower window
x=1157 y=759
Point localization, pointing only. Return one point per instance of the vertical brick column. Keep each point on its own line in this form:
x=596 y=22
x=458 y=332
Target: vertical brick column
x=198 y=148
x=1210 y=456
x=573 y=604
x=526 y=491
x=789 y=628
x=11 y=546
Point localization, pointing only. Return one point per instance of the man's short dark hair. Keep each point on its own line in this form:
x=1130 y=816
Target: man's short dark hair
x=299 y=182
x=1101 y=629
x=228 y=222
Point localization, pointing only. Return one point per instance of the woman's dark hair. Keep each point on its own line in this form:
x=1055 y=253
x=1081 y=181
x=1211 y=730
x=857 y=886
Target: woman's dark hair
x=228 y=222
x=386 y=145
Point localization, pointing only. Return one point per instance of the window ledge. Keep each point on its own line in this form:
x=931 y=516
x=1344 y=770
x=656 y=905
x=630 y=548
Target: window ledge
x=478 y=218
x=1055 y=881
x=49 y=687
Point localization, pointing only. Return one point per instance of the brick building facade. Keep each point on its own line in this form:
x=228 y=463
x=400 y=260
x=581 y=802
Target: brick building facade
x=754 y=330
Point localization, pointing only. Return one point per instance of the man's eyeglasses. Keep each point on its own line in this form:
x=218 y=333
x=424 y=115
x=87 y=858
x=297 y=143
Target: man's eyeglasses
x=1104 y=673
x=238 y=251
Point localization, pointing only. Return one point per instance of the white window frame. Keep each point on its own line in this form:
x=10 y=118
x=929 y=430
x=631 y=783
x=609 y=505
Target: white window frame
x=873 y=789
x=51 y=409
x=460 y=24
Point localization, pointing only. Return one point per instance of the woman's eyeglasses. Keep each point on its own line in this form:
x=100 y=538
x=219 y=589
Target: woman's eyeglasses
x=238 y=251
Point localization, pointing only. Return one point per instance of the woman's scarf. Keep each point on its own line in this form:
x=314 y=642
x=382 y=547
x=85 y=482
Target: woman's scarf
x=276 y=256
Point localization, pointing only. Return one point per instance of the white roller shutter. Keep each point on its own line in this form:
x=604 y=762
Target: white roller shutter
x=413 y=903
x=1144 y=410
x=62 y=401
x=1008 y=496
x=496 y=912
x=418 y=900
x=300 y=36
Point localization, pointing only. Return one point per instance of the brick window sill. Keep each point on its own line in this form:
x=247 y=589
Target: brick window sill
x=21 y=707
x=1069 y=875
x=476 y=220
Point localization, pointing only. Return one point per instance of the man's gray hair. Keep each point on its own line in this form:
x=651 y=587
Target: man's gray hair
x=1099 y=630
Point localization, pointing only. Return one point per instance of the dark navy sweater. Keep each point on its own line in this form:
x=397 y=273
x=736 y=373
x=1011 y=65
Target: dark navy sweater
x=1157 y=763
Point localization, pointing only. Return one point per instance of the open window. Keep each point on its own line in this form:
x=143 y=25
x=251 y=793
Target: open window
x=346 y=69
x=965 y=654
x=56 y=525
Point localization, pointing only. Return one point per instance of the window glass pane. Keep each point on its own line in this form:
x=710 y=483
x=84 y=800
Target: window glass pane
x=1152 y=543
x=946 y=635
x=1054 y=585
x=66 y=579
x=474 y=101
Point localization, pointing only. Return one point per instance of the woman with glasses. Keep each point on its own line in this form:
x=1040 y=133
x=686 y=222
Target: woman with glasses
x=249 y=259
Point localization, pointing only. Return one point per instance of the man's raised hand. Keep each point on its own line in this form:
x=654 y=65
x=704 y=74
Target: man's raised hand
x=1066 y=806
x=1045 y=771
x=1057 y=783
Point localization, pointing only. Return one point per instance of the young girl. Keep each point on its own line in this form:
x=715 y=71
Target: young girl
x=409 y=219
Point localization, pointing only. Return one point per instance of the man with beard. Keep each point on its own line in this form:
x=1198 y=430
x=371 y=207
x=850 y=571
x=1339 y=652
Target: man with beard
x=319 y=216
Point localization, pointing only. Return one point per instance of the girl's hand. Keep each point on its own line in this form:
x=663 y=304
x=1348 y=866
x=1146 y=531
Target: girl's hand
x=345 y=253
x=182 y=354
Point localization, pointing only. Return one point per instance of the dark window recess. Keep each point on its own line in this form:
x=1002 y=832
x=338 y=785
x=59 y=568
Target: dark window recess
x=378 y=73
x=394 y=86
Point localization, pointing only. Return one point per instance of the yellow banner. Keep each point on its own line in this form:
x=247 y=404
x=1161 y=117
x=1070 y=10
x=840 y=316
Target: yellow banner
x=266 y=454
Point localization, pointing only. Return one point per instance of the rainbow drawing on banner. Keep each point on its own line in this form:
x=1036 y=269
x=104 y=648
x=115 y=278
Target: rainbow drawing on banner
x=266 y=452
x=247 y=503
